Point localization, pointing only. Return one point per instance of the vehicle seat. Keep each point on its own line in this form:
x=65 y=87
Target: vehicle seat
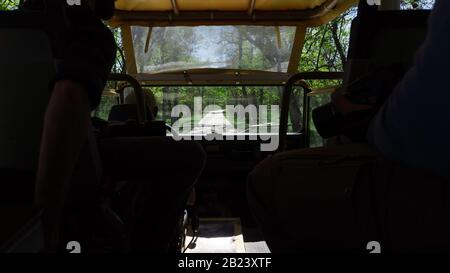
x=382 y=48
x=382 y=38
x=26 y=69
x=124 y=112
x=128 y=113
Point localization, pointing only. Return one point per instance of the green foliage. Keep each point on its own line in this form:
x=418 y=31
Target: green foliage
x=8 y=4
x=417 y=4
x=169 y=45
x=105 y=107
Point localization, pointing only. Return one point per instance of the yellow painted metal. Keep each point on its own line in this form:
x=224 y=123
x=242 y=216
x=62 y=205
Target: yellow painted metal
x=217 y=5
x=156 y=13
x=278 y=37
x=332 y=13
x=128 y=48
x=287 y=4
x=297 y=47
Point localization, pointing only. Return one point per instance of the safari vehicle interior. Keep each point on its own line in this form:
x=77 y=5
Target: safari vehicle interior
x=211 y=67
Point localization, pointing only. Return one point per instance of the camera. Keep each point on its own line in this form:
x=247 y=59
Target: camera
x=371 y=88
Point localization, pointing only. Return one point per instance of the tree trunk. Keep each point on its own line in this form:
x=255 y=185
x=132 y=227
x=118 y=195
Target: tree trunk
x=337 y=42
x=295 y=113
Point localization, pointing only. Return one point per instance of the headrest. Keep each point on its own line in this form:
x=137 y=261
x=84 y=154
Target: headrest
x=124 y=112
x=366 y=26
x=384 y=38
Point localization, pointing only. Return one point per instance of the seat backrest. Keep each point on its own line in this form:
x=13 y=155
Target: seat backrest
x=26 y=67
x=124 y=112
x=26 y=70
x=382 y=48
x=383 y=38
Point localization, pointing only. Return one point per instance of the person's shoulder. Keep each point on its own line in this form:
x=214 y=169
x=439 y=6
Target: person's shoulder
x=107 y=38
x=439 y=16
x=86 y=23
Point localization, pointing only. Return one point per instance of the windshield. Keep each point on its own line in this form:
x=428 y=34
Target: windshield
x=202 y=110
x=231 y=47
x=225 y=109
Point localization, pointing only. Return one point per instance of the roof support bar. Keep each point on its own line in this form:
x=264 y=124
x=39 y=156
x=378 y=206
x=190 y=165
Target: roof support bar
x=139 y=93
x=297 y=48
x=147 y=41
x=130 y=58
x=175 y=7
x=278 y=37
x=251 y=8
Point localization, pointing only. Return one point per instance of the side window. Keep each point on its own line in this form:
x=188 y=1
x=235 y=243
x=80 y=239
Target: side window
x=417 y=4
x=109 y=99
x=9 y=4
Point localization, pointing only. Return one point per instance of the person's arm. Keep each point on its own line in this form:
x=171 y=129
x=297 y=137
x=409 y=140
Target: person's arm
x=344 y=105
x=84 y=60
x=65 y=130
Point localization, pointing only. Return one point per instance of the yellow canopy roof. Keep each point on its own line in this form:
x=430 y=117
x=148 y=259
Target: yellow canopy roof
x=227 y=12
x=216 y=5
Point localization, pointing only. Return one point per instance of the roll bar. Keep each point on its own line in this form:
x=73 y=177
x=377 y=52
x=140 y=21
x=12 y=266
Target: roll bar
x=139 y=93
x=285 y=102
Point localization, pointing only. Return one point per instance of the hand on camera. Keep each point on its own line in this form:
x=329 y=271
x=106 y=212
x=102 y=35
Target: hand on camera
x=344 y=106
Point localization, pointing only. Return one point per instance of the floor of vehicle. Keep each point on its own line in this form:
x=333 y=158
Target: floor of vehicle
x=225 y=235
x=226 y=223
